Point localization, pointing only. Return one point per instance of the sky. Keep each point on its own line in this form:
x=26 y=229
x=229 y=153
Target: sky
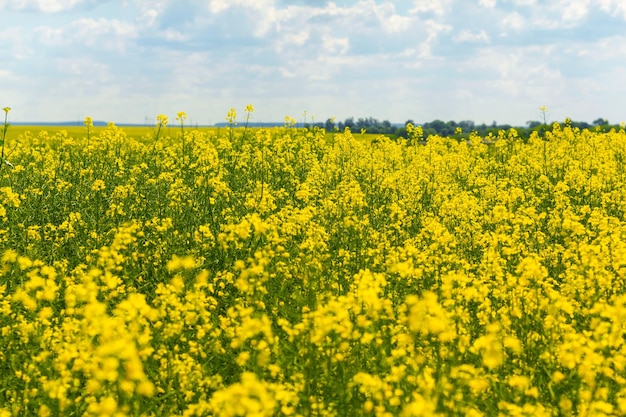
x=127 y=61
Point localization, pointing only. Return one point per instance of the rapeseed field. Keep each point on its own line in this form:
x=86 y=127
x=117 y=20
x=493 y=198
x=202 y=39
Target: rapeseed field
x=281 y=272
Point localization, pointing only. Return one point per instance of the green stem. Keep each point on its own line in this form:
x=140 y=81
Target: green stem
x=182 y=131
x=4 y=132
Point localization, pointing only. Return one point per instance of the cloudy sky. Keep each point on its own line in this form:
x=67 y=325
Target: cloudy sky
x=481 y=60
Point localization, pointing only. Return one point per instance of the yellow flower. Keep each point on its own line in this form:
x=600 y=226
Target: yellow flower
x=181 y=116
x=289 y=121
x=178 y=263
x=427 y=316
x=231 y=117
x=243 y=358
x=249 y=108
x=162 y=120
x=107 y=407
x=88 y=121
x=44 y=411
x=557 y=377
x=251 y=396
x=519 y=381
x=98 y=185
x=145 y=388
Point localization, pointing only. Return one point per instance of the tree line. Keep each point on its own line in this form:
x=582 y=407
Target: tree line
x=447 y=129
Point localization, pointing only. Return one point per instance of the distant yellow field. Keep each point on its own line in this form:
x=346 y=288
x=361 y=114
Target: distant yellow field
x=140 y=132
x=135 y=132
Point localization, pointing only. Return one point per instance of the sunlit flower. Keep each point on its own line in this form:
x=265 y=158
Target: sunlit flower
x=162 y=120
x=98 y=185
x=231 y=117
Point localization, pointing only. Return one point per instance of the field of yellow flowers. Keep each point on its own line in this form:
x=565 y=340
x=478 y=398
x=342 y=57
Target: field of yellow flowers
x=284 y=272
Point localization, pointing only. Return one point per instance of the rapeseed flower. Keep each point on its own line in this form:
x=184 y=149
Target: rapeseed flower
x=231 y=117
x=284 y=272
x=162 y=120
x=98 y=185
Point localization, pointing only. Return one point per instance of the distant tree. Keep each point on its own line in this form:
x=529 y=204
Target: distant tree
x=349 y=123
x=446 y=129
x=362 y=123
x=467 y=125
x=401 y=132
x=440 y=127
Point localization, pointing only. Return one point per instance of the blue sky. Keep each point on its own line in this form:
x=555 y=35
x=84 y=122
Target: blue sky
x=482 y=60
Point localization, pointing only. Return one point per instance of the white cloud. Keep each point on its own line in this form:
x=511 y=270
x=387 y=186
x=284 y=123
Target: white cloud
x=193 y=71
x=7 y=75
x=261 y=14
x=615 y=7
x=102 y=26
x=297 y=39
x=149 y=10
x=109 y=34
x=513 y=21
x=487 y=3
x=218 y=6
x=610 y=48
x=50 y=36
x=45 y=6
x=148 y=17
x=397 y=23
x=103 y=33
x=174 y=35
x=433 y=30
x=387 y=17
x=55 y=6
x=285 y=72
x=467 y=36
x=574 y=10
x=521 y=72
x=87 y=67
x=16 y=42
x=335 y=45
x=438 y=7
